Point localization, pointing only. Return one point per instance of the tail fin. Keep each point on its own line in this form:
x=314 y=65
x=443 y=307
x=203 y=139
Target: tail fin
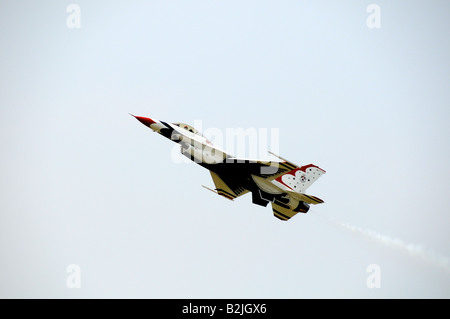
x=300 y=178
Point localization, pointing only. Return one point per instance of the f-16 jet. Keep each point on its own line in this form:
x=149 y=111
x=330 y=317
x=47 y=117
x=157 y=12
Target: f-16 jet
x=281 y=183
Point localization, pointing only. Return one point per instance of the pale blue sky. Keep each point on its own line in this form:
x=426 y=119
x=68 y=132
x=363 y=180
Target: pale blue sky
x=84 y=183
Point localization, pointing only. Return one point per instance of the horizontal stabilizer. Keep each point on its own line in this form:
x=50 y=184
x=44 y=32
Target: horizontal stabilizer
x=282 y=212
x=306 y=198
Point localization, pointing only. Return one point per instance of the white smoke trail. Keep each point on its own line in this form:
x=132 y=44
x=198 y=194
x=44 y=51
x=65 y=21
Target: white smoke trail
x=414 y=250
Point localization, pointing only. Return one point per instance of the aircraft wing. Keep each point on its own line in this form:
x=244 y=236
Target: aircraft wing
x=228 y=191
x=229 y=176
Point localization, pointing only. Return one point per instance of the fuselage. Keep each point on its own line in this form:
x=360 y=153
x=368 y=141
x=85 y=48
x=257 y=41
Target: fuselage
x=280 y=183
x=200 y=150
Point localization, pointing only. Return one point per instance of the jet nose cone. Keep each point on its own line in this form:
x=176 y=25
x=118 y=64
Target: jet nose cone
x=144 y=120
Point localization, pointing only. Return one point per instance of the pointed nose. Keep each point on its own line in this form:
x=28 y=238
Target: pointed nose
x=144 y=120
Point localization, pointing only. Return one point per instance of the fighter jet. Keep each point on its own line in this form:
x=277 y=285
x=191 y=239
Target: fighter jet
x=281 y=183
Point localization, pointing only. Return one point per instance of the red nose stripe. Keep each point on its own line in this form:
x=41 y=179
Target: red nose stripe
x=145 y=120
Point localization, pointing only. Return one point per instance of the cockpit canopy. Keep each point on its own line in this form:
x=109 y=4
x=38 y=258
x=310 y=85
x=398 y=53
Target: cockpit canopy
x=192 y=130
x=187 y=127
